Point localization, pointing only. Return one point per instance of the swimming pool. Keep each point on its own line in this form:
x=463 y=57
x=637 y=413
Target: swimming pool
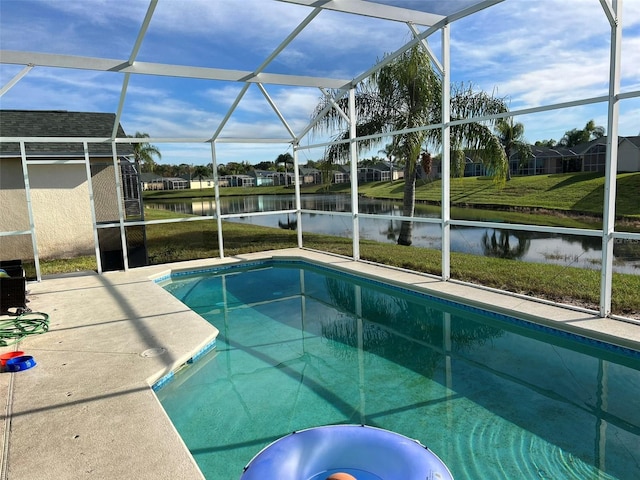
x=494 y=397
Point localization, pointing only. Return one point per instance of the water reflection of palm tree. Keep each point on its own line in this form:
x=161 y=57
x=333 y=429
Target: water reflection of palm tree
x=500 y=246
x=391 y=232
x=289 y=224
x=388 y=322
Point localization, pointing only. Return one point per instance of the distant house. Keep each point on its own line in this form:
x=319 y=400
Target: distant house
x=379 y=172
x=341 y=174
x=474 y=168
x=237 y=181
x=59 y=187
x=200 y=183
x=310 y=176
x=629 y=154
x=151 y=181
x=375 y=173
x=586 y=157
x=174 y=183
x=264 y=178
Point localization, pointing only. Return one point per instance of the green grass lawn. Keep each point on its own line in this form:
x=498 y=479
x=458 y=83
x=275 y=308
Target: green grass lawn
x=578 y=193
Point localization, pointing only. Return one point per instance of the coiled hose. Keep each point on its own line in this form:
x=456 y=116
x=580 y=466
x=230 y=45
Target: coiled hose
x=30 y=323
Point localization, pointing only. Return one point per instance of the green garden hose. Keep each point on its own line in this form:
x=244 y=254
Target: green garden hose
x=16 y=329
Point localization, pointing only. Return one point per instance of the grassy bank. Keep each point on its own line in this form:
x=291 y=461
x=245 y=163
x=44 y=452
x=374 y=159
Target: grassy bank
x=192 y=240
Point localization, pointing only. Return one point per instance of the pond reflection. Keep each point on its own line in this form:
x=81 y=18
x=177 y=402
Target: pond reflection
x=498 y=244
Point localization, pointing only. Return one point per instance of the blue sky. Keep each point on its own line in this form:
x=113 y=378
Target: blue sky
x=532 y=52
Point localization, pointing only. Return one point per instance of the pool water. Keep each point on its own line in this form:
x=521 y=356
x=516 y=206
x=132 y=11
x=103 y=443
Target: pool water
x=494 y=397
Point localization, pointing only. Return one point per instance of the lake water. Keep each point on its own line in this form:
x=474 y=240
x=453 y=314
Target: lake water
x=567 y=250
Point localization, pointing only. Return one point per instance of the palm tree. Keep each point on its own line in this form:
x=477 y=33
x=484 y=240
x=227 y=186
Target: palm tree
x=200 y=172
x=144 y=152
x=406 y=94
x=511 y=136
x=186 y=168
x=576 y=136
x=594 y=131
x=546 y=143
x=388 y=151
x=286 y=159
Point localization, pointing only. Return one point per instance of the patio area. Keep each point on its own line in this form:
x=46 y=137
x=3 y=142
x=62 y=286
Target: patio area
x=87 y=410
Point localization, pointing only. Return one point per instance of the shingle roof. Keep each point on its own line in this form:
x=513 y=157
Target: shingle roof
x=149 y=177
x=57 y=123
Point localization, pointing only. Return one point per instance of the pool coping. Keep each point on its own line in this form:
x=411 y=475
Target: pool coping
x=523 y=320
x=88 y=406
x=575 y=320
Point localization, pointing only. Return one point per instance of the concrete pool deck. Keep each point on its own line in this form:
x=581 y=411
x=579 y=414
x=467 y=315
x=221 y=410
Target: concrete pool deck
x=87 y=409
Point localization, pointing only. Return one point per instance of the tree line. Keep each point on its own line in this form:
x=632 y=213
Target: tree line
x=145 y=155
x=509 y=133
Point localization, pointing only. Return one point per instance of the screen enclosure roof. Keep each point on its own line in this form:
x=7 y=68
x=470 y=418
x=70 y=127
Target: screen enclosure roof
x=250 y=71
x=149 y=46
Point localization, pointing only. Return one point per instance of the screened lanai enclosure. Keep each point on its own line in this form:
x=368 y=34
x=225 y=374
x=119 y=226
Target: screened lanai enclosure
x=219 y=81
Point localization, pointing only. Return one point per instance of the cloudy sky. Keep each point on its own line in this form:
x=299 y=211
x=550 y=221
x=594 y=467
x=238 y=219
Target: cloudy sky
x=531 y=52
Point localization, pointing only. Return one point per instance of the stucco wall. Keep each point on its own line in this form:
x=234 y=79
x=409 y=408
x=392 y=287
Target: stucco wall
x=13 y=200
x=13 y=212
x=61 y=209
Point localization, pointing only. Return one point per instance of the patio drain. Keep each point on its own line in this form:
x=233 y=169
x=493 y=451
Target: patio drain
x=153 y=352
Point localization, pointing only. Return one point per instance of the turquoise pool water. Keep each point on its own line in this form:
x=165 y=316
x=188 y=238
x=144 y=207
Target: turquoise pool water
x=493 y=397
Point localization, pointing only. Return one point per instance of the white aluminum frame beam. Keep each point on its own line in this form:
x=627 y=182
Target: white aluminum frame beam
x=162 y=69
x=427 y=48
x=121 y=212
x=609 y=207
x=372 y=9
x=216 y=193
x=296 y=174
x=132 y=58
x=92 y=207
x=353 y=159
x=274 y=107
x=445 y=215
x=15 y=79
x=258 y=72
x=335 y=106
x=32 y=223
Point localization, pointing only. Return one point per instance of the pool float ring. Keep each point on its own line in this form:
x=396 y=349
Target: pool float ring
x=341 y=476
x=17 y=364
x=346 y=451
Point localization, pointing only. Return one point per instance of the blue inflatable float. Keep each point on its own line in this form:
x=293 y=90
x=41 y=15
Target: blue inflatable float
x=346 y=452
